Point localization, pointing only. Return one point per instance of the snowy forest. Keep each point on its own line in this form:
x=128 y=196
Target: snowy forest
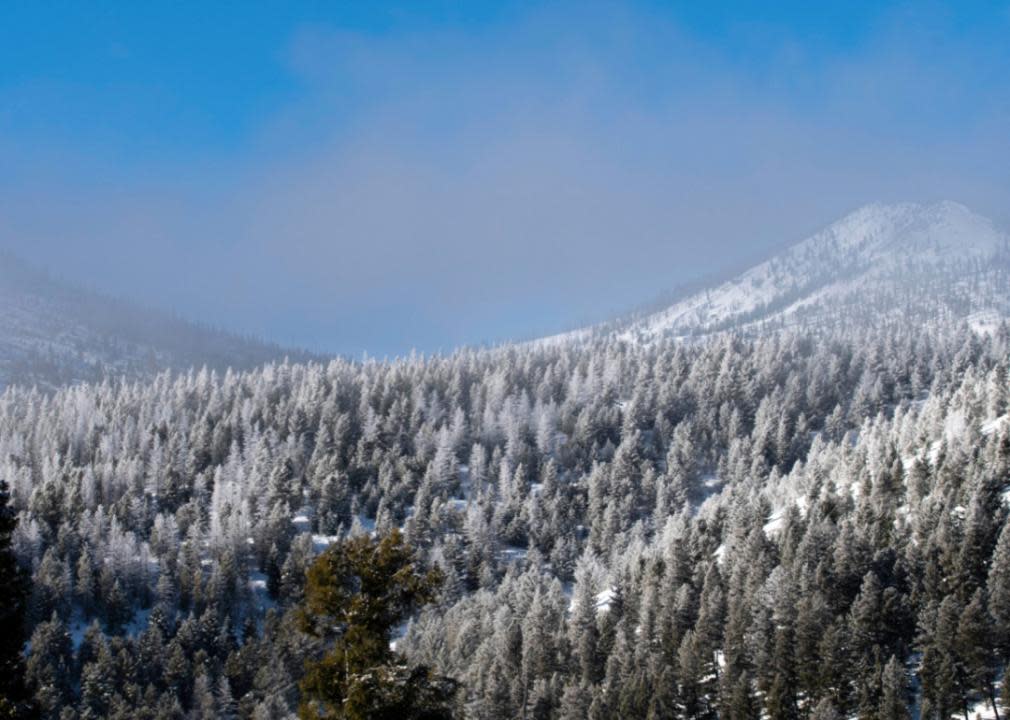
x=505 y=360
x=798 y=524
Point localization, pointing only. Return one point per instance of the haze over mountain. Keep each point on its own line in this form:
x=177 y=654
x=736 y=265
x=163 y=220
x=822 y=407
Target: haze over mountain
x=902 y=263
x=52 y=333
x=365 y=179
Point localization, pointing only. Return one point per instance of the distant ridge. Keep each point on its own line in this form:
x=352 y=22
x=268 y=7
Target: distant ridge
x=52 y=334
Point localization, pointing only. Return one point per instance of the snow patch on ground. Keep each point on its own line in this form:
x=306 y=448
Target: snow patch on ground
x=777 y=518
x=258 y=586
x=514 y=553
x=982 y=710
x=321 y=542
x=605 y=599
x=709 y=486
x=985 y=322
x=933 y=454
x=991 y=426
x=775 y=521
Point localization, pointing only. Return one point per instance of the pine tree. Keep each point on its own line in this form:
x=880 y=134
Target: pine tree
x=894 y=691
x=868 y=685
x=50 y=666
x=975 y=647
x=227 y=709
x=740 y=703
x=585 y=634
x=781 y=702
x=98 y=685
x=998 y=587
x=866 y=620
x=86 y=585
x=204 y=701
x=944 y=681
x=690 y=674
x=177 y=676
x=355 y=593
x=51 y=587
x=663 y=703
x=812 y=617
x=575 y=702
x=14 y=589
x=117 y=608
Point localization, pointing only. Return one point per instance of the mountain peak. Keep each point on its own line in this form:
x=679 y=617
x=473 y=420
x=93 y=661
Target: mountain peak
x=880 y=263
x=944 y=227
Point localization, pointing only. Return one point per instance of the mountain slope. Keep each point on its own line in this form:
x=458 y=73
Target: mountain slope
x=882 y=263
x=52 y=334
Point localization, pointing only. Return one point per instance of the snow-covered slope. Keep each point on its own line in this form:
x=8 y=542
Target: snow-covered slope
x=52 y=334
x=907 y=262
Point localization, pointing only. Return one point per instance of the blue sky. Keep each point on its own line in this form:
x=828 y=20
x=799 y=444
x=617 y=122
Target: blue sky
x=380 y=177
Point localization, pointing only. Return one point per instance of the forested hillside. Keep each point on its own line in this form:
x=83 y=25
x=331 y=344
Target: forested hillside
x=793 y=525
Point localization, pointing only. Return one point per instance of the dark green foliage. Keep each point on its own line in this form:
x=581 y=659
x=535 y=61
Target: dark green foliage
x=356 y=592
x=14 y=587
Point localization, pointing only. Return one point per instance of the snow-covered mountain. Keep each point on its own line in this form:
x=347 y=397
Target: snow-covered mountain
x=52 y=334
x=882 y=263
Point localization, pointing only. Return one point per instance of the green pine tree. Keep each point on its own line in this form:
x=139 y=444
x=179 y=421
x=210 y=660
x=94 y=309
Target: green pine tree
x=355 y=594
